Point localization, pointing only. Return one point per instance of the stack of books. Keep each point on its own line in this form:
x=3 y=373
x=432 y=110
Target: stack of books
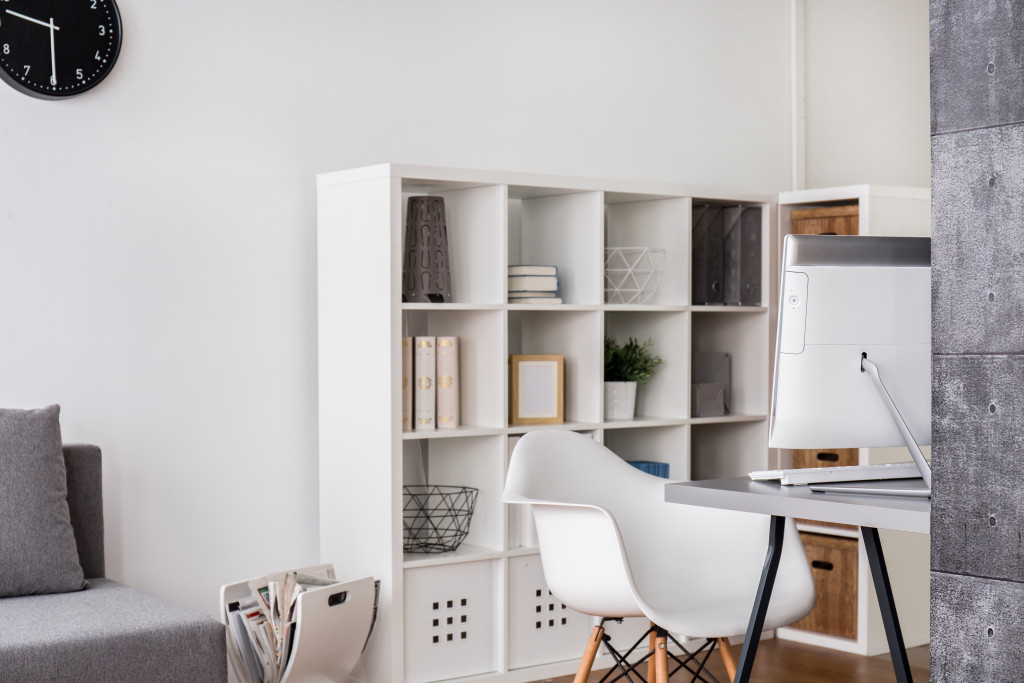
x=533 y=285
x=430 y=383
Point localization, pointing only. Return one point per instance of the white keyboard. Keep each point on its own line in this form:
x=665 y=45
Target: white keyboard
x=823 y=475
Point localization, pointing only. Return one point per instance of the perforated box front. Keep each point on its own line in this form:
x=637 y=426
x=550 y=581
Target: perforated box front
x=449 y=621
x=541 y=628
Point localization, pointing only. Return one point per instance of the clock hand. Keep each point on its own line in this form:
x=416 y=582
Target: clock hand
x=34 y=21
x=53 y=55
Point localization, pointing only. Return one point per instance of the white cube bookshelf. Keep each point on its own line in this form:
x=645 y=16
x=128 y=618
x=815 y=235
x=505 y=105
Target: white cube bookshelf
x=493 y=220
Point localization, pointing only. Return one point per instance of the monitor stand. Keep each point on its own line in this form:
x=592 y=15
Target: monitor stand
x=898 y=487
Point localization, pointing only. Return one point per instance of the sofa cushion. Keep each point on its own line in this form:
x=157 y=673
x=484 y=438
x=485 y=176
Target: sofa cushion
x=39 y=553
x=106 y=633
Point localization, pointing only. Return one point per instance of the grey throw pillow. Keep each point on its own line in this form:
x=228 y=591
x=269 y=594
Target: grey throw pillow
x=37 y=543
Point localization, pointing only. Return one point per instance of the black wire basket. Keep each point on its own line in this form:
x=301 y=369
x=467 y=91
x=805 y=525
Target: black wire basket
x=435 y=519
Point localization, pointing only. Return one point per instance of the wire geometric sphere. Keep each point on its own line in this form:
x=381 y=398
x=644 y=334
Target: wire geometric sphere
x=631 y=274
x=435 y=519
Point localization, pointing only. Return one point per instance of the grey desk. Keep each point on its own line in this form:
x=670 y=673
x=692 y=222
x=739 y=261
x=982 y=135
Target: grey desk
x=869 y=512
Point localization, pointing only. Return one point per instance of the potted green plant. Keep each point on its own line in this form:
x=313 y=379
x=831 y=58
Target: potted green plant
x=626 y=366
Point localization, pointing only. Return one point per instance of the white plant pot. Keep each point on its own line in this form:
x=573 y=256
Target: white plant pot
x=619 y=400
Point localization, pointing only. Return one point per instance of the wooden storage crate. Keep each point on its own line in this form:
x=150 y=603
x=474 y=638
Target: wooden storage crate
x=822 y=457
x=834 y=568
x=843 y=219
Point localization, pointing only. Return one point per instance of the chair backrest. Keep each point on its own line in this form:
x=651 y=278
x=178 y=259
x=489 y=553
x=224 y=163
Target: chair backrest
x=571 y=480
x=83 y=464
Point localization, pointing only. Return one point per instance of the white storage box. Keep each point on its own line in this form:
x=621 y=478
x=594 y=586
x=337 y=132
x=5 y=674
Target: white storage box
x=449 y=621
x=541 y=630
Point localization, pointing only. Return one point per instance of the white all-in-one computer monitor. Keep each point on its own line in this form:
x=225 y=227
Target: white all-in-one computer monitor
x=853 y=354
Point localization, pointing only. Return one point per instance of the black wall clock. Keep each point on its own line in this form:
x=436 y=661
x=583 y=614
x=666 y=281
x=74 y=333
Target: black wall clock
x=58 y=48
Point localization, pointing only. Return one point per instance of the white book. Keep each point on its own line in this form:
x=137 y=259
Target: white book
x=535 y=300
x=447 y=382
x=406 y=384
x=533 y=270
x=534 y=295
x=532 y=283
x=424 y=372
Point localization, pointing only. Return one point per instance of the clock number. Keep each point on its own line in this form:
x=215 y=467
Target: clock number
x=53 y=80
x=78 y=74
x=27 y=67
x=93 y=4
x=103 y=30
x=7 y=48
x=98 y=58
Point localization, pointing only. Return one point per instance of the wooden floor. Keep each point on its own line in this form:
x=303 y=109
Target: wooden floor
x=785 y=661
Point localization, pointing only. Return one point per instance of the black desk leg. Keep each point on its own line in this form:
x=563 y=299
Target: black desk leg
x=776 y=535
x=888 y=606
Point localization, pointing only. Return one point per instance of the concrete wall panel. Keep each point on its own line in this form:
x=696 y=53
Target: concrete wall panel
x=984 y=643
x=978 y=241
x=977 y=65
x=978 y=463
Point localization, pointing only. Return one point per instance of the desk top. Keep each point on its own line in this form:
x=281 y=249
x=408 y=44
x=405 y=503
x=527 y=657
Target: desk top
x=898 y=513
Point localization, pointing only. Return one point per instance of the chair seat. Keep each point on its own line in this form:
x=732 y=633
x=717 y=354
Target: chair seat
x=107 y=632
x=713 y=616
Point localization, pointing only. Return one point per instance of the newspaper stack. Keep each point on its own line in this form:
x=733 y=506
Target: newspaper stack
x=263 y=625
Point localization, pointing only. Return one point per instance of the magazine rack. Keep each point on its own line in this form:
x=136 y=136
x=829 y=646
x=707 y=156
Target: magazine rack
x=332 y=625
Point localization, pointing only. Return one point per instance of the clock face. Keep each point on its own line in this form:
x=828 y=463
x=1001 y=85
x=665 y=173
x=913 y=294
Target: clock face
x=57 y=48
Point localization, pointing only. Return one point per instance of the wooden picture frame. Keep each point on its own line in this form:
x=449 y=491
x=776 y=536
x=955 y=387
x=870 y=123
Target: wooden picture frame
x=537 y=389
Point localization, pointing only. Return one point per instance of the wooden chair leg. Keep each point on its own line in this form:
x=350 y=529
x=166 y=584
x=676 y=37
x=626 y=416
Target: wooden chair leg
x=727 y=657
x=596 y=637
x=661 y=658
x=650 y=649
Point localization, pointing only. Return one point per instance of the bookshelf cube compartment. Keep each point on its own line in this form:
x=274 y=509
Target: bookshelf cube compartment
x=576 y=335
x=482 y=359
x=659 y=444
x=660 y=396
x=713 y=282
x=450 y=612
x=744 y=336
x=728 y=449
x=475 y=219
x=541 y=629
x=563 y=230
x=641 y=221
x=469 y=461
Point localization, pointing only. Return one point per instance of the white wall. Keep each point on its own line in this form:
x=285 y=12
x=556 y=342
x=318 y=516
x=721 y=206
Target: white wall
x=867 y=97
x=157 y=235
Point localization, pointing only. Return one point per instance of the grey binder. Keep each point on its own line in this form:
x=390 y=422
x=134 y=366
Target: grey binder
x=708 y=232
x=742 y=256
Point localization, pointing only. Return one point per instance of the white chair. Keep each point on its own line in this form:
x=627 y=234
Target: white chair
x=611 y=547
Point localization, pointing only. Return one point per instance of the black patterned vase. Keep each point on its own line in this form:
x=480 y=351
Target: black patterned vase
x=426 y=277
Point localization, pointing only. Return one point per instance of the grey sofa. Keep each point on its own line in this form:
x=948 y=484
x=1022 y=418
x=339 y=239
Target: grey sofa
x=107 y=632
